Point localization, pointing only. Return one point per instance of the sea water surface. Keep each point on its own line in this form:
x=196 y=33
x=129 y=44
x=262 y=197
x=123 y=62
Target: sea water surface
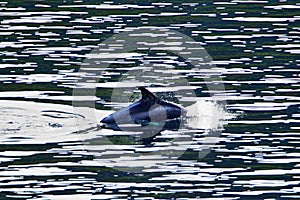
x=244 y=144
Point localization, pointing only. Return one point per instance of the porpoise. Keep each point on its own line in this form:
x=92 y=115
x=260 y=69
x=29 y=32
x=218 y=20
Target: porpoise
x=149 y=113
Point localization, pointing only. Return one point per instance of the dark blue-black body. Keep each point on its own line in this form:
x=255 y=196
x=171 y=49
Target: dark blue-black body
x=150 y=112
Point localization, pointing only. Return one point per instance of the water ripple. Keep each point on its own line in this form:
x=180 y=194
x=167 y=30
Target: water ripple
x=253 y=43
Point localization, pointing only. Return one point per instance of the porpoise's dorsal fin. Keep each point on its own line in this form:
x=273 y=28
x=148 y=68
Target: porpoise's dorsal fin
x=146 y=94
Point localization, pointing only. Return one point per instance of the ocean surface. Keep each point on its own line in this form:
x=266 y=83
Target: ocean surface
x=233 y=64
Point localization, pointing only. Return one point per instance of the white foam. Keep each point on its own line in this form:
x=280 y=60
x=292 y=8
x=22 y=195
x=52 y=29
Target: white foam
x=206 y=115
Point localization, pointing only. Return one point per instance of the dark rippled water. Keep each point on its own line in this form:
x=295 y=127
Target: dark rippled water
x=49 y=150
